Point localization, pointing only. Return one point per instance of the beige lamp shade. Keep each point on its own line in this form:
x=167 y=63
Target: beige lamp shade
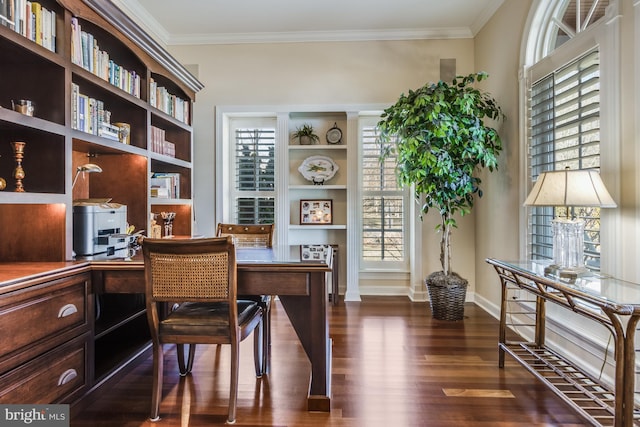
x=570 y=187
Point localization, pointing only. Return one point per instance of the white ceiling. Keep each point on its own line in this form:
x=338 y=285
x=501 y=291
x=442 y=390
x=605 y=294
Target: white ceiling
x=259 y=21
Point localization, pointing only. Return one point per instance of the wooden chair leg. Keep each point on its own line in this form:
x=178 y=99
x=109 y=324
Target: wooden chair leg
x=192 y=356
x=185 y=369
x=233 y=394
x=258 y=349
x=156 y=390
x=266 y=361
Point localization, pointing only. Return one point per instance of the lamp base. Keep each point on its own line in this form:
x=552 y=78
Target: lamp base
x=566 y=274
x=568 y=244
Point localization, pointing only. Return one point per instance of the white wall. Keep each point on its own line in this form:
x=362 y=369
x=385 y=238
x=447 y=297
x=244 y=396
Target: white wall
x=497 y=50
x=317 y=74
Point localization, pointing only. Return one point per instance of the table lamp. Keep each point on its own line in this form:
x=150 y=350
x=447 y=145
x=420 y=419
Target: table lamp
x=89 y=168
x=569 y=188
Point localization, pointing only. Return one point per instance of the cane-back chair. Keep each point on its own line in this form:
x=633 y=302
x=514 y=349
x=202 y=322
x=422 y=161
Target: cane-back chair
x=248 y=235
x=254 y=236
x=198 y=279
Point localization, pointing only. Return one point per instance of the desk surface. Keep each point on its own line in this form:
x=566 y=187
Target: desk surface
x=599 y=288
x=300 y=285
x=29 y=273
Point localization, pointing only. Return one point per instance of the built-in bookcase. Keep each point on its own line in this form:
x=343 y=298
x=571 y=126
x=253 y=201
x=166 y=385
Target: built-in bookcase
x=36 y=225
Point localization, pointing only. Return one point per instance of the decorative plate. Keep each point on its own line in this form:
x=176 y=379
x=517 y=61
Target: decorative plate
x=334 y=135
x=318 y=169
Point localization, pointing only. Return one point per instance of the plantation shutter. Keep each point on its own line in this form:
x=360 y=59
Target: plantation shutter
x=254 y=176
x=565 y=132
x=383 y=203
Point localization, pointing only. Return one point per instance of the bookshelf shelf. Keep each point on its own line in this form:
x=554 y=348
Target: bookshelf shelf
x=37 y=224
x=55 y=143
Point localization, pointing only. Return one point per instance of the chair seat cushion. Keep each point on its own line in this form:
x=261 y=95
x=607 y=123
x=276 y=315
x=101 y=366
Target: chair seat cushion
x=264 y=299
x=205 y=318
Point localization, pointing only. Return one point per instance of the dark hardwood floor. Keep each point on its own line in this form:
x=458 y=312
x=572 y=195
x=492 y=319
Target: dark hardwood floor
x=393 y=366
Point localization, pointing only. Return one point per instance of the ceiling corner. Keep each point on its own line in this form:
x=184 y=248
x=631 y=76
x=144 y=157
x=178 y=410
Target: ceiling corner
x=144 y=19
x=485 y=16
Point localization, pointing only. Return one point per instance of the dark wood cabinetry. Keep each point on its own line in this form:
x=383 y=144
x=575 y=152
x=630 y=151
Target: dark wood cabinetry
x=71 y=331
x=55 y=146
x=68 y=328
x=46 y=347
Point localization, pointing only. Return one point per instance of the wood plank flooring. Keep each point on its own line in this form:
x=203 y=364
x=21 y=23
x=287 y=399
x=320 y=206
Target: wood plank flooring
x=393 y=366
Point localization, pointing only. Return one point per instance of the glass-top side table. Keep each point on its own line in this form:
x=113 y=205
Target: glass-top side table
x=612 y=302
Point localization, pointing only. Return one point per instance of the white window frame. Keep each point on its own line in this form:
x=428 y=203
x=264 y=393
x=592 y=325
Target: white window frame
x=382 y=265
x=604 y=35
x=228 y=189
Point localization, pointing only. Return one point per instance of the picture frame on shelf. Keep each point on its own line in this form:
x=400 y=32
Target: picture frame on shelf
x=316 y=212
x=313 y=252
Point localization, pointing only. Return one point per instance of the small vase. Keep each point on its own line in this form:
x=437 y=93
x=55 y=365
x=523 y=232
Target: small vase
x=305 y=140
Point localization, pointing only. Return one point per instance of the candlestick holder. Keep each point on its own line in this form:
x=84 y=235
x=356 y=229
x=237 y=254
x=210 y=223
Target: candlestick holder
x=18 y=172
x=3 y=184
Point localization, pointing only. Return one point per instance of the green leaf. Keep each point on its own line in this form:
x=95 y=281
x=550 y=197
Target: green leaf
x=442 y=140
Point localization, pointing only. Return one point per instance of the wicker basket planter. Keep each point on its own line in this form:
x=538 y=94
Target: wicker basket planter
x=446 y=295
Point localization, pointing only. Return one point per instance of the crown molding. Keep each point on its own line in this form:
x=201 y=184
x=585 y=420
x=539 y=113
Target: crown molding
x=320 y=36
x=120 y=20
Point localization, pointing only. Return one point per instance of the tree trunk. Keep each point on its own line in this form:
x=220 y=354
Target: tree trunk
x=445 y=245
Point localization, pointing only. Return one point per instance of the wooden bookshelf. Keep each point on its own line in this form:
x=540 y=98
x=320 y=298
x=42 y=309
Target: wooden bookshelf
x=36 y=225
x=54 y=148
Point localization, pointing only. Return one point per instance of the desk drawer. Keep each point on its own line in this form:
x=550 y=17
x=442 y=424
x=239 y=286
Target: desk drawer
x=50 y=378
x=37 y=319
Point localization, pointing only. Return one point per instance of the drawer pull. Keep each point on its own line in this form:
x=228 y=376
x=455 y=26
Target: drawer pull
x=67 y=310
x=67 y=376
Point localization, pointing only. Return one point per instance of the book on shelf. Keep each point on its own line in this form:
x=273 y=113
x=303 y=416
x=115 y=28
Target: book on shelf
x=162 y=183
x=159 y=144
x=109 y=131
x=31 y=20
x=162 y=99
x=157 y=138
x=90 y=116
x=7 y=17
x=168 y=148
x=36 y=9
x=86 y=53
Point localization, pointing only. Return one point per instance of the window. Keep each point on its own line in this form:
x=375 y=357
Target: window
x=564 y=114
x=254 y=178
x=573 y=17
x=565 y=132
x=559 y=21
x=383 y=204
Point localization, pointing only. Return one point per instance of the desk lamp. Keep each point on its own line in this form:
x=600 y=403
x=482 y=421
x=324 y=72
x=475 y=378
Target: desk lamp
x=88 y=168
x=569 y=188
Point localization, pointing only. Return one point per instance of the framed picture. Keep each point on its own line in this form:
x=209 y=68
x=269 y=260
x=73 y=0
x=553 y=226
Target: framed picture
x=316 y=212
x=313 y=252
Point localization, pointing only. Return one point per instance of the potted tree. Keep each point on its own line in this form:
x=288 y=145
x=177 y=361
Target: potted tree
x=306 y=135
x=440 y=141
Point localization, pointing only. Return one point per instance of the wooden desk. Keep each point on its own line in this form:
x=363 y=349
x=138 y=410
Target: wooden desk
x=301 y=287
x=611 y=302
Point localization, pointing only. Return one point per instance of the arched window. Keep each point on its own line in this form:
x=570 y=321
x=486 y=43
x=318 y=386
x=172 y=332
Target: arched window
x=572 y=17
x=566 y=49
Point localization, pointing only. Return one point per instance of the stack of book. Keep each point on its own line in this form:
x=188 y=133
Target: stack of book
x=169 y=149
x=160 y=98
x=85 y=52
x=159 y=144
x=31 y=20
x=89 y=115
x=165 y=185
